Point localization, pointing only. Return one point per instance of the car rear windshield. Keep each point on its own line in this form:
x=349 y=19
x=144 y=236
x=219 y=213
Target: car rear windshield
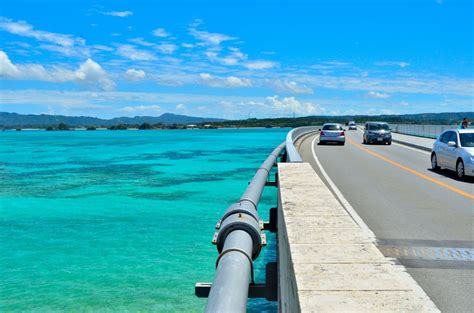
x=467 y=140
x=378 y=127
x=332 y=127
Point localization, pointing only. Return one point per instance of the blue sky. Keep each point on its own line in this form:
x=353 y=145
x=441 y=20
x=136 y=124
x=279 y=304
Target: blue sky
x=236 y=59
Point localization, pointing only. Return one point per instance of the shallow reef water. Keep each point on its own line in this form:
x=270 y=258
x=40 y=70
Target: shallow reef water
x=121 y=221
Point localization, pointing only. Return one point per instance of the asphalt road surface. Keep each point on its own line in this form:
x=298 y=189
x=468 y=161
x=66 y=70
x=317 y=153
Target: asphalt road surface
x=422 y=218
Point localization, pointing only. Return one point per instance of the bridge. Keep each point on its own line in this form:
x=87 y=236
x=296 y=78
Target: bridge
x=359 y=228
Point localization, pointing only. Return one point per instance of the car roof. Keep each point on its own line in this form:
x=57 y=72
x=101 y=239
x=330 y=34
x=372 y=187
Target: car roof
x=331 y=124
x=466 y=131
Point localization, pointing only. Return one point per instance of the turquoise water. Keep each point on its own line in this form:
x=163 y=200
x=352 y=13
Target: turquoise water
x=120 y=221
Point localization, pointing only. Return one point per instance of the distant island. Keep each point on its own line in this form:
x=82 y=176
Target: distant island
x=174 y=121
x=14 y=120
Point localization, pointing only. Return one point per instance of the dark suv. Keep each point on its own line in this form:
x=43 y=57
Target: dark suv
x=378 y=132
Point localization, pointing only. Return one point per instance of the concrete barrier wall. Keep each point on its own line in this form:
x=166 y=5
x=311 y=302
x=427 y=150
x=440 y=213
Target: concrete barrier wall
x=288 y=292
x=428 y=131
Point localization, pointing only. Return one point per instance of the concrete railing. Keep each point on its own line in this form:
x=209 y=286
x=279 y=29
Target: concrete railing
x=428 y=131
x=293 y=135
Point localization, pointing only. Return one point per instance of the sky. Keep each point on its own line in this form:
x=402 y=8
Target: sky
x=236 y=59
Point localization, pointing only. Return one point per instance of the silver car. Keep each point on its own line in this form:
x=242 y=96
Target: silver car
x=454 y=150
x=332 y=132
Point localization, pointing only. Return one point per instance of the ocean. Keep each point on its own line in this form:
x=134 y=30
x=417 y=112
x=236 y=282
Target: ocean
x=121 y=221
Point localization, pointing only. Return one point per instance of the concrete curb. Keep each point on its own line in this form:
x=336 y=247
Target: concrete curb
x=409 y=144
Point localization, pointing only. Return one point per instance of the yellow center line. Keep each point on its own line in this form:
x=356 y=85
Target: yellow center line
x=431 y=179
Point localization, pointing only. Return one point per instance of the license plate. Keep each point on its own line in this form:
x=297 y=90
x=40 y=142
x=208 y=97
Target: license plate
x=379 y=139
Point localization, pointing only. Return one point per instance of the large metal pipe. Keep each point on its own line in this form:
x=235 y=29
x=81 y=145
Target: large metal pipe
x=239 y=237
x=255 y=188
x=230 y=287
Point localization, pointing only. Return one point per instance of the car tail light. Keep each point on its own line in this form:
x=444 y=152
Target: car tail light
x=322 y=133
x=343 y=133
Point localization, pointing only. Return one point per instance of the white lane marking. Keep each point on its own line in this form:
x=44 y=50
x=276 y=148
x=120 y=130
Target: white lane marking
x=341 y=197
x=405 y=146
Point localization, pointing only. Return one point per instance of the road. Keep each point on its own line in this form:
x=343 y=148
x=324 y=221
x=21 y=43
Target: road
x=422 y=218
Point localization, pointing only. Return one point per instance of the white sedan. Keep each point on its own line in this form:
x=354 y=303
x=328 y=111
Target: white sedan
x=454 y=150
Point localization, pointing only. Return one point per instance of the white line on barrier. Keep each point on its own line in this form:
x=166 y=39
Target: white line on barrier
x=341 y=197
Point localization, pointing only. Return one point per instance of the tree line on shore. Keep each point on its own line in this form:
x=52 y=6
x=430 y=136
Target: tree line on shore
x=143 y=126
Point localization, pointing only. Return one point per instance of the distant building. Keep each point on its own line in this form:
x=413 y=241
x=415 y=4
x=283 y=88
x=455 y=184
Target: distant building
x=191 y=126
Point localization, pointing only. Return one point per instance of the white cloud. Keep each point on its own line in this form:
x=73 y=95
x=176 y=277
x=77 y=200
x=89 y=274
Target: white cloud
x=7 y=68
x=260 y=65
x=141 y=41
x=106 y=103
x=232 y=58
x=141 y=109
x=119 y=13
x=292 y=86
x=89 y=73
x=102 y=48
x=167 y=48
x=393 y=63
x=378 y=95
x=291 y=105
x=22 y=28
x=133 y=74
x=187 y=45
x=134 y=54
x=224 y=82
x=160 y=32
x=207 y=38
x=214 y=57
x=65 y=44
x=181 y=107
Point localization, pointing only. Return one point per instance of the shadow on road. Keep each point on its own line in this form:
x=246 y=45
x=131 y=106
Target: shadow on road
x=330 y=144
x=452 y=175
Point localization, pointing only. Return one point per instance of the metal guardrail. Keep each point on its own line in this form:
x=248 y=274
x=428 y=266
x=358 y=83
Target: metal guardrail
x=239 y=239
x=428 y=131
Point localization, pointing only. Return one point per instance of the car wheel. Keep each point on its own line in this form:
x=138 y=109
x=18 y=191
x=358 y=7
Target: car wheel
x=364 y=141
x=460 y=169
x=434 y=162
x=389 y=143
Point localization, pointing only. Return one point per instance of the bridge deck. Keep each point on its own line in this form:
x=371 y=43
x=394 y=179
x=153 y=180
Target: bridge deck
x=329 y=262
